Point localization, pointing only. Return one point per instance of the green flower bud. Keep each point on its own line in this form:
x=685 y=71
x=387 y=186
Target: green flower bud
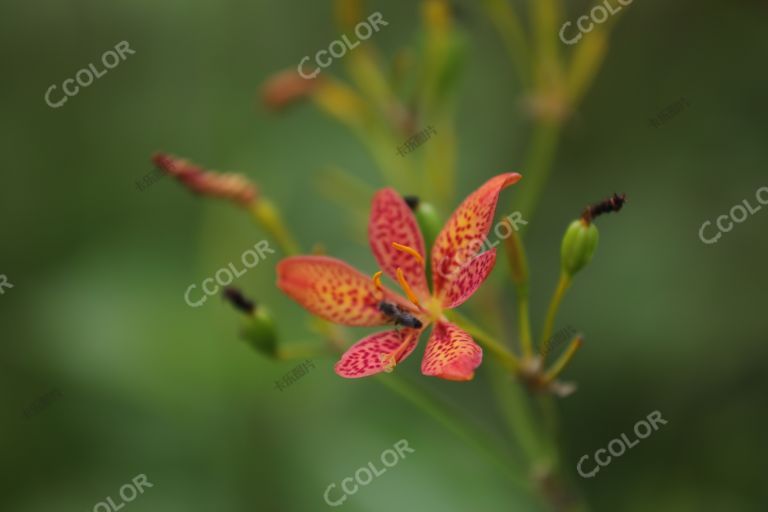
x=258 y=327
x=258 y=330
x=579 y=244
x=427 y=217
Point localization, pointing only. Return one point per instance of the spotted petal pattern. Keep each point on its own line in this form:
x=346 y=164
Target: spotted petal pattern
x=465 y=232
x=369 y=355
x=451 y=353
x=467 y=279
x=333 y=290
x=392 y=221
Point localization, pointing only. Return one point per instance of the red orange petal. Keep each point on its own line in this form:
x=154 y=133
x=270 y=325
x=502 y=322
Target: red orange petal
x=451 y=353
x=333 y=290
x=392 y=221
x=364 y=358
x=467 y=279
x=465 y=232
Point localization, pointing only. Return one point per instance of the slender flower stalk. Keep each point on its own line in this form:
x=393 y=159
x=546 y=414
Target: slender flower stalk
x=546 y=336
x=268 y=216
x=563 y=360
x=518 y=271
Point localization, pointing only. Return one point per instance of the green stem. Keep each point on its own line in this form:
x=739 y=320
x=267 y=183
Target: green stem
x=516 y=413
x=268 y=216
x=562 y=361
x=546 y=336
x=523 y=307
x=511 y=30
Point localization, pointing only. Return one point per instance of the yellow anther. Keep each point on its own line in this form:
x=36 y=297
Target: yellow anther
x=388 y=362
x=406 y=287
x=410 y=250
x=377 y=279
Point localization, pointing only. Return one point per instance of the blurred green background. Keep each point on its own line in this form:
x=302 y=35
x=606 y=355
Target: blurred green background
x=149 y=385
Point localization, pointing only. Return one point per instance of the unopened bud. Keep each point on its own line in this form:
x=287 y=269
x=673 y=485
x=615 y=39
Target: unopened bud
x=427 y=217
x=578 y=247
x=286 y=88
x=258 y=327
x=230 y=186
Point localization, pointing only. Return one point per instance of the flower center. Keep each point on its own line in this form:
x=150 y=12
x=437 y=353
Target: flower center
x=434 y=307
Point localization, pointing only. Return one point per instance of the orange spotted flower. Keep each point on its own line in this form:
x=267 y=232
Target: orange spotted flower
x=337 y=292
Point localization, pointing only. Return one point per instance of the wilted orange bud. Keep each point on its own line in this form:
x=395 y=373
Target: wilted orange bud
x=229 y=186
x=285 y=88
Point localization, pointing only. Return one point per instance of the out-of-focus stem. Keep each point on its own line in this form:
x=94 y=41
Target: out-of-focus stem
x=545 y=15
x=512 y=402
x=267 y=215
x=518 y=270
x=383 y=148
x=439 y=177
x=526 y=343
x=546 y=336
x=511 y=30
x=538 y=164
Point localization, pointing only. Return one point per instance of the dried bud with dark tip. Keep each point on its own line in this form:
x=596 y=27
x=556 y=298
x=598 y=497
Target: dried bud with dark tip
x=427 y=217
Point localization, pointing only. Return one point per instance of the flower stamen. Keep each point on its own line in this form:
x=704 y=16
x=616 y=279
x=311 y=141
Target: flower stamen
x=377 y=280
x=406 y=287
x=410 y=250
x=389 y=361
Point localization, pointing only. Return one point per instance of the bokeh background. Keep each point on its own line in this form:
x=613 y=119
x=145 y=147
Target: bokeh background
x=150 y=385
